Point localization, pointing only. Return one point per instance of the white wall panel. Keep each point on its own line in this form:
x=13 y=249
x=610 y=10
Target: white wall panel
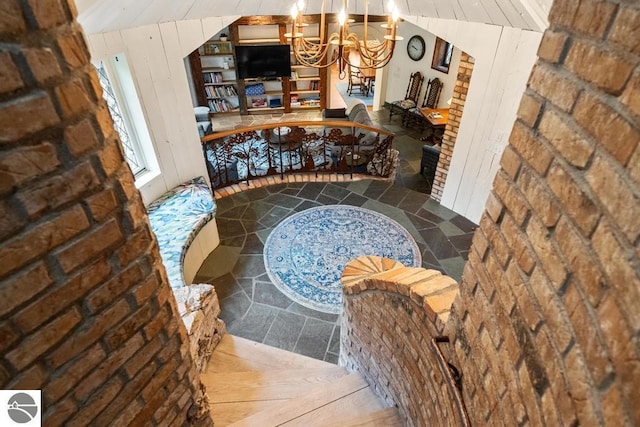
x=156 y=57
x=503 y=61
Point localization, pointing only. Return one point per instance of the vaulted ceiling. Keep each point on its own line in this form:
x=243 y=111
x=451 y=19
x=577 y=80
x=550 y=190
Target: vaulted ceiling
x=98 y=16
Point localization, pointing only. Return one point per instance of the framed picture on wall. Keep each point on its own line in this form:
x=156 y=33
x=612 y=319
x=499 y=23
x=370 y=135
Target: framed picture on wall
x=442 y=53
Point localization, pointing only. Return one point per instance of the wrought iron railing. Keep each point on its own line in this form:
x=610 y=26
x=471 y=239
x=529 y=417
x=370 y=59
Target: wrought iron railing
x=292 y=147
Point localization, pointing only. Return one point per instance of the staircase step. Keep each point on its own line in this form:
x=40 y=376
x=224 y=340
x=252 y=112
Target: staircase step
x=347 y=396
x=235 y=354
x=267 y=385
x=387 y=417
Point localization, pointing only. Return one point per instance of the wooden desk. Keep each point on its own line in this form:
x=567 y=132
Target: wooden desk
x=436 y=122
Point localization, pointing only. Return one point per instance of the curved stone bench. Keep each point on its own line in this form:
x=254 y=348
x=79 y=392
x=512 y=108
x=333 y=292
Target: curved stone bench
x=183 y=220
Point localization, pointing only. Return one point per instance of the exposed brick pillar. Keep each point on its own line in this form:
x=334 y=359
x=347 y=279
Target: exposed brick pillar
x=465 y=69
x=546 y=329
x=86 y=313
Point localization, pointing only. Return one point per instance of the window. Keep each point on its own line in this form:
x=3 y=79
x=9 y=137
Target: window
x=442 y=55
x=119 y=92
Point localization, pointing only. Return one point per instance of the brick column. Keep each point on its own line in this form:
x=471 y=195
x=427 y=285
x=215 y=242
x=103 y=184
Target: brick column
x=546 y=327
x=453 y=124
x=86 y=311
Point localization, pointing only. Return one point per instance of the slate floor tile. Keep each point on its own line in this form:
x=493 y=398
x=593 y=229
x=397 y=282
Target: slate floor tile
x=285 y=330
x=314 y=338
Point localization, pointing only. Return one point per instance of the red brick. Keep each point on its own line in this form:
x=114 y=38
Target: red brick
x=531 y=150
x=496 y=242
x=576 y=202
x=25 y=116
x=510 y=162
x=26 y=163
x=566 y=138
x=61 y=385
x=114 y=361
x=60 y=189
x=119 y=283
x=626 y=29
x=111 y=157
x=146 y=289
x=48 y=13
x=142 y=357
x=155 y=325
x=96 y=87
x=606 y=70
x=611 y=130
x=11 y=221
x=46 y=337
x=73 y=49
x=547 y=253
x=523 y=255
x=621 y=276
x=11 y=19
x=102 y=204
x=10 y=79
x=23 y=287
x=587 y=336
x=621 y=204
x=631 y=96
x=137 y=245
x=512 y=199
x=130 y=326
x=105 y=122
x=593 y=17
x=43 y=63
x=62 y=297
x=58 y=414
x=562 y=13
x=493 y=207
x=8 y=336
x=634 y=166
x=126 y=182
x=73 y=98
x=529 y=109
x=539 y=197
x=583 y=264
x=31 y=379
x=551 y=308
x=582 y=394
x=559 y=90
x=80 y=138
x=90 y=246
x=48 y=235
x=88 y=334
x=552 y=46
x=90 y=409
x=128 y=394
x=620 y=341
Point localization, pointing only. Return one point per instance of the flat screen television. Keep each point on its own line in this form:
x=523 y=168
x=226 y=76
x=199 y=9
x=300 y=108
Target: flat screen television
x=264 y=61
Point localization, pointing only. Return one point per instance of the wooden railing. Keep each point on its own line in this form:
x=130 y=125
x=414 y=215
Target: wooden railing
x=302 y=146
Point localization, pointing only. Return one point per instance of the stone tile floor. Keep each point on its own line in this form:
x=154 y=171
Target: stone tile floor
x=254 y=308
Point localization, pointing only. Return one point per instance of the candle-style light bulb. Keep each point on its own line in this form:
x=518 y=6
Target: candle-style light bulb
x=342 y=17
x=300 y=5
x=294 y=11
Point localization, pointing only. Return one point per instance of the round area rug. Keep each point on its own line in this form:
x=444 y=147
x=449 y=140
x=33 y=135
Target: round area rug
x=306 y=253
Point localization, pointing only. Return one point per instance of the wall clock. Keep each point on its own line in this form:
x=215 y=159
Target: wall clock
x=416 y=48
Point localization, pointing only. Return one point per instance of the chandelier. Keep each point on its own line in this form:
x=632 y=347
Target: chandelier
x=321 y=53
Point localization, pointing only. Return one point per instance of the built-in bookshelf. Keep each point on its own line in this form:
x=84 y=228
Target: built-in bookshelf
x=217 y=86
x=214 y=76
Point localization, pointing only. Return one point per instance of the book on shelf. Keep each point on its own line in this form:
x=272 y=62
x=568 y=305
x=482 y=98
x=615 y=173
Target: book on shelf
x=221 y=105
x=212 y=77
x=220 y=91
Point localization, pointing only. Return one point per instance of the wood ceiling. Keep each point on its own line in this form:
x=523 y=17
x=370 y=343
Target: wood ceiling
x=99 y=16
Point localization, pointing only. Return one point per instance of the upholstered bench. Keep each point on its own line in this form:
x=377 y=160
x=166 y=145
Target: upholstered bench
x=183 y=220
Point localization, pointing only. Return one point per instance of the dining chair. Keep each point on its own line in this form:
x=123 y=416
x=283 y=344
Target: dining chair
x=410 y=98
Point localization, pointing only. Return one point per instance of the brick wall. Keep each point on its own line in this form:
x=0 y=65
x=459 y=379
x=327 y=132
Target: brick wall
x=390 y=313
x=86 y=311
x=465 y=69
x=546 y=329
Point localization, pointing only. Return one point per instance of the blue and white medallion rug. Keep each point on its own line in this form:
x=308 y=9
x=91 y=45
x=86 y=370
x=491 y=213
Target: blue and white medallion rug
x=306 y=253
